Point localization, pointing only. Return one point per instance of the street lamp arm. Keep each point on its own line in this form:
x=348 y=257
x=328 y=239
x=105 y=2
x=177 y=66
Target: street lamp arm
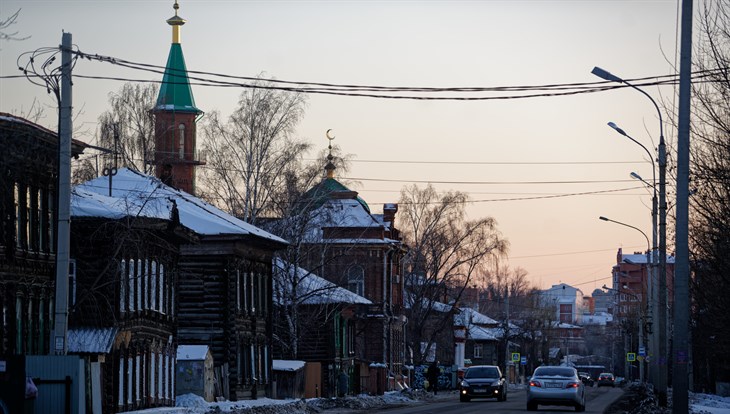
x=648 y=244
x=606 y=75
x=651 y=158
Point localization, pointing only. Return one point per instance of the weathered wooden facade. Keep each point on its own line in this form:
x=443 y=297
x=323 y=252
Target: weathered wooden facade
x=222 y=294
x=327 y=320
x=225 y=303
x=122 y=315
x=28 y=181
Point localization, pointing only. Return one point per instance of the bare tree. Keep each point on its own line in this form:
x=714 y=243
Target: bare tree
x=5 y=25
x=253 y=155
x=446 y=250
x=128 y=127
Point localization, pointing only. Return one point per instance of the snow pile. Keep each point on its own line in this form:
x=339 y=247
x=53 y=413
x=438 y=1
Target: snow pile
x=708 y=403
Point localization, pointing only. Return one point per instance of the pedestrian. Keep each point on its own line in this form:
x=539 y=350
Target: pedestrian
x=433 y=377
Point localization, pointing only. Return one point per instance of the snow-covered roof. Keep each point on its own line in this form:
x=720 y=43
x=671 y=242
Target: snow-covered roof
x=563 y=325
x=287 y=365
x=479 y=333
x=476 y=318
x=640 y=258
x=340 y=213
x=192 y=352
x=311 y=289
x=137 y=194
x=91 y=340
x=435 y=305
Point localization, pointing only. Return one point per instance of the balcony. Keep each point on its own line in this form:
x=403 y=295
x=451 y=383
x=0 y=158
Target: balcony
x=196 y=157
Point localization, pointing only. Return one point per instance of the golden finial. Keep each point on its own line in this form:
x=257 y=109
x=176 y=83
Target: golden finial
x=330 y=167
x=176 y=21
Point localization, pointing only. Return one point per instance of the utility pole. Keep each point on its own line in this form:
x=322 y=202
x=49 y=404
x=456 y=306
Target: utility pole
x=65 y=128
x=506 y=334
x=681 y=356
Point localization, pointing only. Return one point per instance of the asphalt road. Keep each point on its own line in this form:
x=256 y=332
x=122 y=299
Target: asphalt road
x=597 y=400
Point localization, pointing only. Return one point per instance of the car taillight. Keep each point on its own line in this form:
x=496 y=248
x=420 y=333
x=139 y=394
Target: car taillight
x=572 y=385
x=535 y=384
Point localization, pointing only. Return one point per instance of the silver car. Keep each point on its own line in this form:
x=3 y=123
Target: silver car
x=556 y=386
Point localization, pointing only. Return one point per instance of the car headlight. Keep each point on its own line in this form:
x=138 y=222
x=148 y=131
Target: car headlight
x=464 y=384
x=496 y=384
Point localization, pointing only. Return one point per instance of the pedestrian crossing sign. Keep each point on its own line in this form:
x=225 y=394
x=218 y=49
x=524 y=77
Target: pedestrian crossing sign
x=515 y=357
x=631 y=356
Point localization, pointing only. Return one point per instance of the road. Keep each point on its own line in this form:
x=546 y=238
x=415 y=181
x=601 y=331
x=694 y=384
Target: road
x=597 y=400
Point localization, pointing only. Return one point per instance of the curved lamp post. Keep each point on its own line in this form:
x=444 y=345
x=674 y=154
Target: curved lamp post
x=653 y=284
x=642 y=317
x=661 y=368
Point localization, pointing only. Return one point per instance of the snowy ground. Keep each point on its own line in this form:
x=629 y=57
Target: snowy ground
x=192 y=404
x=708 y=403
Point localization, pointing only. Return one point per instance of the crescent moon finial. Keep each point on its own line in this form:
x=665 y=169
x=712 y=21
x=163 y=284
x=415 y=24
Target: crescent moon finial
x=327 y=134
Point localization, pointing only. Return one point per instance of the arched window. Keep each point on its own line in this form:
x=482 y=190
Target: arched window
x=356 y=280
x=181 y=145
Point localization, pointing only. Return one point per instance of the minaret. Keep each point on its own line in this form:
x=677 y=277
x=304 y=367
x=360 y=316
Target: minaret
x=175 y=119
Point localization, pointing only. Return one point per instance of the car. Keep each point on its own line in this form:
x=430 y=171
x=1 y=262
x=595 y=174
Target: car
x=586 y=378
x=607 y=379
x=551 y=385
x=483 y=381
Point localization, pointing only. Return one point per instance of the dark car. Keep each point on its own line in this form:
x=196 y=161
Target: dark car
x=606 y=378
x=586 y=378
x=483 y=381
x=556 y=386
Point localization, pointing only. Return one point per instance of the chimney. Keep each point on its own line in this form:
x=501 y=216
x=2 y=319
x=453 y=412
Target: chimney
x=389 y=211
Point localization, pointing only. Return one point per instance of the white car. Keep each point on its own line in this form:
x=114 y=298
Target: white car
x=556 y=386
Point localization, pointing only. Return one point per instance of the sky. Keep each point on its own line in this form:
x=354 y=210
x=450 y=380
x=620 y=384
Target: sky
x=513 y=156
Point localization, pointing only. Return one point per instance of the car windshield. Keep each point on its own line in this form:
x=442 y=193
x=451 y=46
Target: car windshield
x=554 y=372
x=482 y=372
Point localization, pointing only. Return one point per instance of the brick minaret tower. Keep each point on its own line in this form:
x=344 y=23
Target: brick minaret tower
x=175 y=119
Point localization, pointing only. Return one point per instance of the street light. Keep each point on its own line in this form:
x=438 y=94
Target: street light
x=652 y=285
x=661 y=369
x=642 y=321
x=648 y=262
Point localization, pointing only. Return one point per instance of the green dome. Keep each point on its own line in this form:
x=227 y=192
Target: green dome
x=320 y=193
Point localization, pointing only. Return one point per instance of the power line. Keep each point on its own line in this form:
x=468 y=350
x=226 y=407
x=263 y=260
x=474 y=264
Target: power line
x=490 y=182
x=356 y=90
x=492 y=162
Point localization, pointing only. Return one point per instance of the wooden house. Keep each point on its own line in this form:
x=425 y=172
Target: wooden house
x=28 y=180
x=123 y=313
x=220 y=291
x=326 y=319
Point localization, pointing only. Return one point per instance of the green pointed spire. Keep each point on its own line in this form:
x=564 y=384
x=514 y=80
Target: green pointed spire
x=175 y=92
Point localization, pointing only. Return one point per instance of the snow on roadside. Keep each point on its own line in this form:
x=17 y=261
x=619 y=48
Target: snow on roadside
x=708 y=403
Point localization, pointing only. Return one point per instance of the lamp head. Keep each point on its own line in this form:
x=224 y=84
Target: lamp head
x=604 y=287
x=603 y=218
x=619 y=130
x=636 y=176
x=606 y=75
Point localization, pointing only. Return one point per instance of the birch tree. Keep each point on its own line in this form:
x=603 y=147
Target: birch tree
x=446 y=249
x=253 y=154
x=128 y=127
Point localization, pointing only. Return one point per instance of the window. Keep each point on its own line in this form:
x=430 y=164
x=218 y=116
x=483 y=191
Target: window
x=566 y=313
x=356 y=280
x=181 y=146
x=478 y=350
x=123 y=286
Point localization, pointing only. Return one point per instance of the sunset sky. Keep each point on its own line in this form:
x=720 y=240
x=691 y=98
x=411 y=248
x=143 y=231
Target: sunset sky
x=513 y=156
